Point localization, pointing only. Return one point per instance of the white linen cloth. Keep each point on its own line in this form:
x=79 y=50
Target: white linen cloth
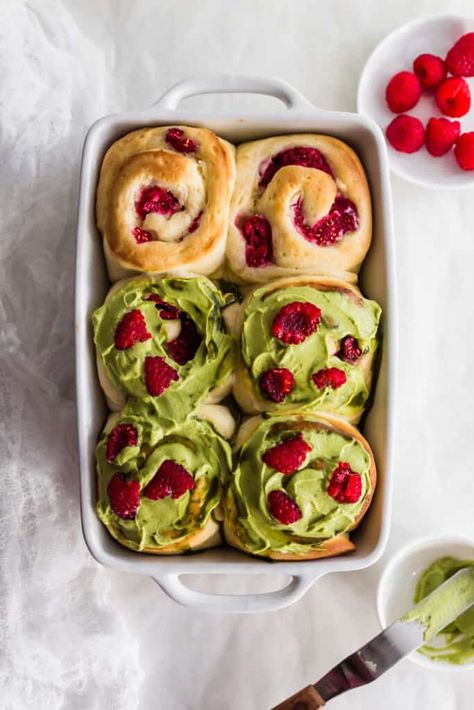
x=75 y=635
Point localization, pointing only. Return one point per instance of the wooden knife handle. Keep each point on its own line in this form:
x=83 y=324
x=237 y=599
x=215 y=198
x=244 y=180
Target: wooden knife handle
x=306 y=699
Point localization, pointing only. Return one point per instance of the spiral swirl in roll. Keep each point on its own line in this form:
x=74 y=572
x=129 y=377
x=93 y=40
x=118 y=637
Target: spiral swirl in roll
x=163 y=200
x=301 y=204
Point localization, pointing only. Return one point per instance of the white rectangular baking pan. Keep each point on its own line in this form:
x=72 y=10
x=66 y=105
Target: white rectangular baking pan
x=377 y=281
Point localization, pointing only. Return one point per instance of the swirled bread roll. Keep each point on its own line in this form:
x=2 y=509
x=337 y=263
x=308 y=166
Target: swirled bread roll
x=163 y=201
x=301 y=204
x=301 y=483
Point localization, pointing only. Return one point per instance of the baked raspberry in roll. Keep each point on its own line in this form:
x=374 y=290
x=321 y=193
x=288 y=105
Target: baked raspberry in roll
x=305 y=343
x=160 y=481
x=163 y=201
x=301 y=483
x=301 y=203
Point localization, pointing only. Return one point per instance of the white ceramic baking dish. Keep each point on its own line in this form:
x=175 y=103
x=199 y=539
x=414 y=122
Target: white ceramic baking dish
x=377 y=281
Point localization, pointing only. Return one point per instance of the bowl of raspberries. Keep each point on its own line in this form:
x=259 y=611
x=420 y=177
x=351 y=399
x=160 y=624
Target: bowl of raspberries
x=418 y=85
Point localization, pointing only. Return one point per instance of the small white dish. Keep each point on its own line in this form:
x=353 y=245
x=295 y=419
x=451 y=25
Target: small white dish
x=433 y=35
x=398 y=581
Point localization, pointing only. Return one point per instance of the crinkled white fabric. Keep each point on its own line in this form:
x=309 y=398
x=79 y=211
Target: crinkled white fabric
x=70 y=629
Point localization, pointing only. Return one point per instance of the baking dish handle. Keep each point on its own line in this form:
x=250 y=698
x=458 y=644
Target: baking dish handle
x=233 y=84
x=236 y=603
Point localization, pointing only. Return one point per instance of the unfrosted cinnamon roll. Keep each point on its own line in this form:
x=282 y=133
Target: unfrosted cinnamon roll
x=301 y=204
x=163 y=201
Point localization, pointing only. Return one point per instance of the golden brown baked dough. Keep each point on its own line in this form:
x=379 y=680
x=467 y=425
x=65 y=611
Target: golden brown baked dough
x=294 y=200
x=160 y=209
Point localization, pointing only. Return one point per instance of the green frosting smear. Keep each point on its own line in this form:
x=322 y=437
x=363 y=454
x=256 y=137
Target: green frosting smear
x=192 y=444
x=342 y=313
x=212 y=363
x=322 y=516
x=455 y=643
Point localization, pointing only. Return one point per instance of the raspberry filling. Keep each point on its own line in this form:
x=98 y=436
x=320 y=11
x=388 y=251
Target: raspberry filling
x=349 y=349
x=142 y=235
x=331 y=377
x=171 y=479
x=167 y=311
x=295 y=322
x=156 y=199
x=184 y=347
x=121 y=436
x=341 y=219
x=301 y=155
x=195 y=223
x=345 y=485
x=257 y=233
x=176 y=137
x=277 y=383
x=289 y=455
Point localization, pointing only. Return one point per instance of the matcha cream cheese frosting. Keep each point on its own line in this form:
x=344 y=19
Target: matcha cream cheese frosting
x=307 y=344
x=159 y=482
x=300 y=481
x=164 y=339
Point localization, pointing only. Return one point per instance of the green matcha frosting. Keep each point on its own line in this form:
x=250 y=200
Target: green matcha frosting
x=343 y=313
x=455 y=643
x=322 y=516
x=211 y=364
x=194 y=445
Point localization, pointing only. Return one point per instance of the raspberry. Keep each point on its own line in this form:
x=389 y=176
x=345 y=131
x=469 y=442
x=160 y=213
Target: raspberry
x=171 y=479
x=441 y=135
x=295 y=322
x=464 y=151
x=345 y=485
x=142 y=235
x=283 y=508
x=453 y=97
x=131 y=330
x=177 y=140
x=460 y=58
x=403 y=92
x=341 y=219
x=331 y=377
x=300 y=155
x=166 y=310
x=195 y=223
x=430 y=70
x=288 y=456
x=349 y=349
x=277 y=383
x=121 y=436
x=158 y=375
x=124 y=496
x=406 y=134
x=184 y=347
x=257 y=233
x=156 y=199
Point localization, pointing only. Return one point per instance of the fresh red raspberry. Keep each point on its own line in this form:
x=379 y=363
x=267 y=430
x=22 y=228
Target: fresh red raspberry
x=331 y=377
x=166 y=310
x=288 y=456
x=345 y=485
x=460 y=58
x=171 y=479
x=349 y=349
x=156 y=199
x=341 y=219
x=441 y=135
x=403 y=92
x=406 y=134
x=277 y=383
x=300 y=155
x=158 y=375
x=142 y=235
x=124 y=496
x=295 y=322
x=176 y=137
x=121 y=436
x=131 y=330
x=283 y=508
x=464 y=151
x=257 y=233
x=430 y=70
x=453 y=97
x=184 y=347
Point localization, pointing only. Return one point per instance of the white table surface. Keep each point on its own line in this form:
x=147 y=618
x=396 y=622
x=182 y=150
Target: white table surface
x=80 y=636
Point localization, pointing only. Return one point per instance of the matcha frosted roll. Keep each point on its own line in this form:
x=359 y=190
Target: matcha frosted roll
x=306 y=343
x=164 y=339
x=301 y=483
x=160 y=482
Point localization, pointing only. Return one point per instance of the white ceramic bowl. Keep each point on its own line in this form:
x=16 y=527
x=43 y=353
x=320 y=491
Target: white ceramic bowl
x=395 y=53
x=398 y=581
